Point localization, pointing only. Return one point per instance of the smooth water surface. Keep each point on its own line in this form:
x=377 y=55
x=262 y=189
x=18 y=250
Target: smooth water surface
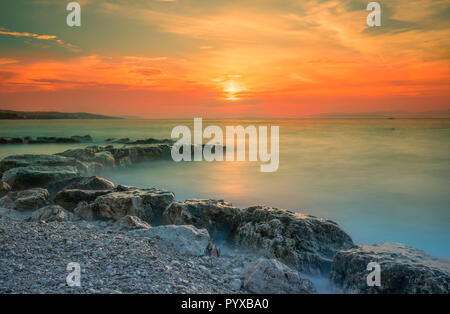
x=381 y=180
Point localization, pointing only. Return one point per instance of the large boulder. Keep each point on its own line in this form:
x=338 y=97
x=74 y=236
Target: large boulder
x=38 y=176
x=403 y=269
x=128 y=223
x=51 y=213
x=304 y=242
x=116 y=205
x=147 y=204
x=25 y=200
x=269 y=276
x=185 y=239
x=70 y=198
x=216 y=216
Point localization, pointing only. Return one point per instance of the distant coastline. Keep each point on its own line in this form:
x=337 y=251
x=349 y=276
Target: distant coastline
x=435 y=114
x=48 y=115
x=35 y=115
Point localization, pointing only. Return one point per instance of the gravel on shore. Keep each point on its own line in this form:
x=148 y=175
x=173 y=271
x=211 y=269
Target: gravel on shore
x=34 y=257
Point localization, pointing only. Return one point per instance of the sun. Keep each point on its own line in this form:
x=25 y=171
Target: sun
x=232 y=89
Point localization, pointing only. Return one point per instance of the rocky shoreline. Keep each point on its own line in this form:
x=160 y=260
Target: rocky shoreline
x=55 y=210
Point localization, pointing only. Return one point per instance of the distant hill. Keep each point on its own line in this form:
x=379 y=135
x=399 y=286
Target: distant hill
x=30 y=115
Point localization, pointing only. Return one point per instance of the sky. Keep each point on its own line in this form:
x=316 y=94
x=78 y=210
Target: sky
x=224 y=58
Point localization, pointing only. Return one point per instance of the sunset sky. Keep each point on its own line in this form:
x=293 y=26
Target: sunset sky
x=224 y=58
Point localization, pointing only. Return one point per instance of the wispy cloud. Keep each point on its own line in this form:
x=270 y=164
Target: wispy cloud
x=53 y=38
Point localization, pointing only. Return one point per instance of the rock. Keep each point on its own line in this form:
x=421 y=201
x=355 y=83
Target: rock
x=147 y=204
x=25 y=200
x=85 y=210
x=403 y=270
x=51 y=213
x=109 y=156
x=89 y=183
x=205 y=270
x=26 y=160
x=124 y=188
x=217 y=216
x=82 y=139
x=131 y=223
x=4 y=188
x=51 y=140
x=12 y=140
x=236 y=284
x=121 y=141
x=116 y=205
x=83 y=154
x=212 y=249
x=105 y=158
x=45 y=140
x=38 y=176
x=151 y=141
x=186 y=239
x=269 y=276
x=91 y=154
x=60 y=140
x=304 y=242
x=137 y=154
x=69 y=198
x=124 y=162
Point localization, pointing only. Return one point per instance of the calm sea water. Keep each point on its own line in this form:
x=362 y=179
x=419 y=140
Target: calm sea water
x=381 y=180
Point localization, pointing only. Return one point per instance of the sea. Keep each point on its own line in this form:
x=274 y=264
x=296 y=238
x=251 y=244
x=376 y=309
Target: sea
x=379 y=179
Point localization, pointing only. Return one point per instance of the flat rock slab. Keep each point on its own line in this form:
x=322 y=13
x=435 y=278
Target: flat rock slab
x=38 y=176
x=26 y=160
x=186 y=239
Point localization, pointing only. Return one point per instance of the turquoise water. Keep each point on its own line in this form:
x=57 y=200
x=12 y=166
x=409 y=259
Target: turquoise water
x=381 y=180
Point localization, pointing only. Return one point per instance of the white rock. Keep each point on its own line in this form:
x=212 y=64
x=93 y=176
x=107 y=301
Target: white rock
x=236 y=284
x=265 y=276
x=186 y=239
